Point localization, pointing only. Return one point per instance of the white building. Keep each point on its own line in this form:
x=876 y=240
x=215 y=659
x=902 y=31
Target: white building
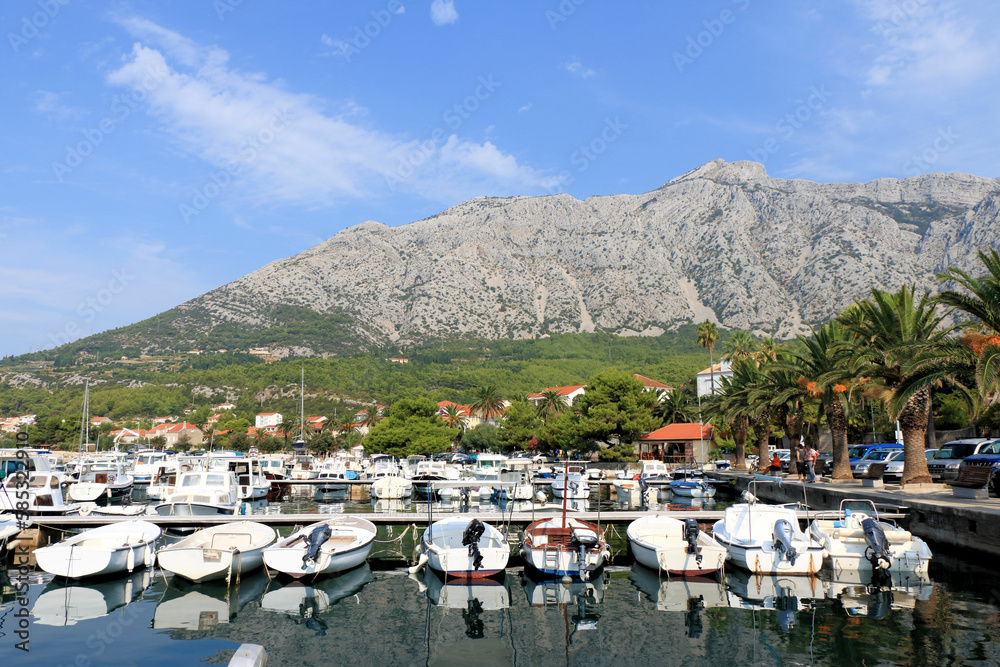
x=705 y=378
x=266 y=419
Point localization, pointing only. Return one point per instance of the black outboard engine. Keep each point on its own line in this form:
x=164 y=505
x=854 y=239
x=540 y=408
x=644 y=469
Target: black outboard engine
x=877 y=552
x=691 y=532
x=313 y=542
x=470 y=538
x=582 y=543
x=783 y=534
x=474 y=626
x=880 y=596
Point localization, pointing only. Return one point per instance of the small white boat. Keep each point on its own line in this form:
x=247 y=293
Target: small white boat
x=203 y=607
x=201 y=493
x=692 y=488
x=218 y=552
x=628 y=492
x=249 y=655
x=44 y=495
x=163 y=479
x=766 y=539
x=875 y=593
x=88 y=509
x=117 y=547
x=676 y=547
x=857 y=540
x=566 y=547
x=391 y=488
x=464 y=548
x=572 y=482
x=514 y=485
x=102 y=478
x=323 y=547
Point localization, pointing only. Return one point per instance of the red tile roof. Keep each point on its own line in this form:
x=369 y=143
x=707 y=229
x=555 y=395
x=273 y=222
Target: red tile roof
x=652 y=383
x=562 y=391
x=679 y=432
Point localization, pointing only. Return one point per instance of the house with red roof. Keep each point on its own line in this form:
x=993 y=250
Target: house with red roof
x=174 y=433
x=710 y=380
x=98 y=421
x=269 y=421
x=568 y=394
x=677 y=443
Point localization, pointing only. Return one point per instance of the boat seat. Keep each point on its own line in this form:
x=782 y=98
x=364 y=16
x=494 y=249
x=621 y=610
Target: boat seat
x=231 y=541
x=555 y=536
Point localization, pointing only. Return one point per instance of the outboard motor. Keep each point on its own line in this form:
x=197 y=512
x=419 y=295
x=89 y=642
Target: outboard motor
x=783 y=534
x=880 y=596
x=313 y=543
x=691 y=531
x=877 y=552
x=582 y=543
x=474 y=626
x=470 y=538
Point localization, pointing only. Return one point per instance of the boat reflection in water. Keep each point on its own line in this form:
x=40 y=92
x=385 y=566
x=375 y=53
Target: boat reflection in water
x=63 y=603
x=785 y=594
x=687 y=595
x=382 y=505
x=486 y=594
x=306 y=601
x=874 y=594
x=198 y=607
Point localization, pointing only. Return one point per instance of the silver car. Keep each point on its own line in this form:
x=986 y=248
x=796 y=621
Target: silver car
x=944 y=466
x=894 y=465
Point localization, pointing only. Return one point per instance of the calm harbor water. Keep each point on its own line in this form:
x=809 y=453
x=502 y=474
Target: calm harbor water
x=378 y=614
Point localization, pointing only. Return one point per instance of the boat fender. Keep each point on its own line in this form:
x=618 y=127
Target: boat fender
x=130 y=560
x=877 y=551
x=691 y=531
x=540 y=496
x=470 y=538
x=86 y=509
x=783 y=541
x=313 y=542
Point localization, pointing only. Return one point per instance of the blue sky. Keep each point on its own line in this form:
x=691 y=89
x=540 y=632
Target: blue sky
x=155 y=150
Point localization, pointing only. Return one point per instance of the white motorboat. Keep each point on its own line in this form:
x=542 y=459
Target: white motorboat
x=684 y=594
x=101 y=478
x=391 y=488
x=316 y=597
x=628 y=492
x=572 y=482
x=692 y=488
x=201 y=493
x=63 y=603
x=147 y=462
x=676 y=547
x=117 y=547
x=250 y=481
x=857 y=540
x=218 y=552
x=326 y=546
x=655 y=471
x=565 y=547
x=514 y=485
x=766 y=539
x=163 y=479
x=43 y=495
x=464 y=548
x=486 y=467
x=303 y=469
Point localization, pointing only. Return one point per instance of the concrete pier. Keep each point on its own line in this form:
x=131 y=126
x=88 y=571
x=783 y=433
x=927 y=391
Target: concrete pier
x=935 y=514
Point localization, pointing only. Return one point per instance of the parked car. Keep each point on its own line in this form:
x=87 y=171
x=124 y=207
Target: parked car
x=987 y=456
x=944 y=467
x=894 y=465
x=824 y=463
x=874 y=455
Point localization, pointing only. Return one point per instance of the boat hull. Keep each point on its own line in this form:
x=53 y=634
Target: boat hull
x=193 y=509
x=122 y=547
x=348 y=547
x=693 y=489
x=549 y=549
x=658 y=543
x=846 y=547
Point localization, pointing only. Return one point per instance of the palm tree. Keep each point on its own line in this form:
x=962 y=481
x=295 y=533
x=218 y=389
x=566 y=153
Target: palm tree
x=674 y=406
x=822 y=369
x=708 y=334
x=730 y=406
x=890 y=332
x=488 y=403
x=741 y=345
x=550 y=404
x=981 y=300
x=372 y=415
x=453 y=416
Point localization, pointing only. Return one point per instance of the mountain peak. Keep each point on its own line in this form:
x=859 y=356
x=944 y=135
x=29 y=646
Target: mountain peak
x=719 y=169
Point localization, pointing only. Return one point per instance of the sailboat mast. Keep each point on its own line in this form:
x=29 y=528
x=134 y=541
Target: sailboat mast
x=565 y=490
x=302 y=406
x=84 y=422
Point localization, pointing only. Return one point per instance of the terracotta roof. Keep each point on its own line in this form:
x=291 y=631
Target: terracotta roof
x=652 y=383
x=717 y=369
x=562 y=391
x=679 y=432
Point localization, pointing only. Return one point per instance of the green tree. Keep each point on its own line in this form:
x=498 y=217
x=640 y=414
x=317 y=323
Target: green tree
x=551 y=404
x=487 y=403
x=891 y=331
x=521 y=426
x=675 y=406
x=482 y=438
x=616 y=408
x=413 y=427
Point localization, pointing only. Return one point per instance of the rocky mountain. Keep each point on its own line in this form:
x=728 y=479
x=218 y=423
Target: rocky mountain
x=724 y=242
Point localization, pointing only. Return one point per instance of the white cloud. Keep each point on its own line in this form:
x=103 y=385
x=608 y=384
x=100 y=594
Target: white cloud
x=53 y=104
x=223 y=116
x=443 y=12
x=337 y=47
x=577 y=68
x=526 y=107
